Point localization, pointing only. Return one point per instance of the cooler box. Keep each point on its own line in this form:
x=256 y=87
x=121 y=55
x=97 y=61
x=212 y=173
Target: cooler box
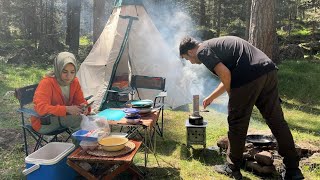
x=49 y=162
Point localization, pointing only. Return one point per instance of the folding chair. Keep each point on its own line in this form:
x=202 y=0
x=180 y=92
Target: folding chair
x=152 y=83
x=25 y=97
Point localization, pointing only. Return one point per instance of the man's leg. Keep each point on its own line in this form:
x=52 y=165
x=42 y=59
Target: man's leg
x=269 y=105
x=241 y=102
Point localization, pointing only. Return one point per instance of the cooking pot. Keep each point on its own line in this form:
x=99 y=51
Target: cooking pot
x=195 y=120
x=260 y=140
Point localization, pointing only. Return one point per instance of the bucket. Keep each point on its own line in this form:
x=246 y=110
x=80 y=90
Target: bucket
x=50 y=162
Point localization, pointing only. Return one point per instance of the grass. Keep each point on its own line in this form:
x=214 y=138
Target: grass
x=298 y=86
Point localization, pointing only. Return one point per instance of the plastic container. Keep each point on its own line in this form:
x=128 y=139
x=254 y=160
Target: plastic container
x=49 y=162
x=84 y=135
x=88 y=145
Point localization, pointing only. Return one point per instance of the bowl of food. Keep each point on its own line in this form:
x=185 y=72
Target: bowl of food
x=113 y=143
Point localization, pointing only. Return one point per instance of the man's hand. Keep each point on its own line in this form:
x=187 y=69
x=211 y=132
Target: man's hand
x=216 y=93
x=74 y=110
x=206 y=102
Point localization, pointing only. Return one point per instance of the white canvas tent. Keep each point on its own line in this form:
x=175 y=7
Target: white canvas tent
x=130 y=44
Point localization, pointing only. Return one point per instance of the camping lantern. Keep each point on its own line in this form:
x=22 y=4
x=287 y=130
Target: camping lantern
x=195 y=118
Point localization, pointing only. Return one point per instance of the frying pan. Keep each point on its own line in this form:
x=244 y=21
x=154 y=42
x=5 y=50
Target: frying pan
x=260 y=140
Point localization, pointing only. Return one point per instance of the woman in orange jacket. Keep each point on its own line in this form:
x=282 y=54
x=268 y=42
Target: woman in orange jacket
x=59 y=94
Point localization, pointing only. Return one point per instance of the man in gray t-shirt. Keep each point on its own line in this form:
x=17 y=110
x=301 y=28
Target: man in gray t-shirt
x=250 y=78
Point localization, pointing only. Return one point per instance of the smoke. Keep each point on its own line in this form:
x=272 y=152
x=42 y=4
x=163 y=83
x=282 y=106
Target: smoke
x=174 y=23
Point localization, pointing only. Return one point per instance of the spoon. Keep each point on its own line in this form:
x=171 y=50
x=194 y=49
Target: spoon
x=204 y=110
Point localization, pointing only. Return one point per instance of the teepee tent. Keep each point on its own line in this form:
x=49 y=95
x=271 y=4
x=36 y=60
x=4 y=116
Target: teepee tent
x=130 y=44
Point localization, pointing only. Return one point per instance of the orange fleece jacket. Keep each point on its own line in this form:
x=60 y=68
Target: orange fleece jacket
x=48 y=99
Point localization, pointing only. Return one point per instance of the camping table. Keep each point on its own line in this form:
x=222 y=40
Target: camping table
x=122 y=163
x=148 y=122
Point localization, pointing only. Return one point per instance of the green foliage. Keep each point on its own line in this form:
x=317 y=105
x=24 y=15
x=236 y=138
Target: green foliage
x=85 y=41
x=15 y=43
x=236 y=28
x=301 y=32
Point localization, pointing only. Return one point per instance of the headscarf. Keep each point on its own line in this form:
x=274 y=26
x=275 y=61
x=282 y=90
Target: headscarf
x=60 y=62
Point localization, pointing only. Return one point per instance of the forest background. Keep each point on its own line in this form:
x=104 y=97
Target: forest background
x=33 y=30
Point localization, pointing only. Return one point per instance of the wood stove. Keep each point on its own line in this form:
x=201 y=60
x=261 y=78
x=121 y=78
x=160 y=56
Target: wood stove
x=196 y=126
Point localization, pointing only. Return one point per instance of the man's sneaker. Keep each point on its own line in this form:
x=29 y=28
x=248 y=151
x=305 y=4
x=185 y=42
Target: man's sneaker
x=226 y=170
x=293 y=174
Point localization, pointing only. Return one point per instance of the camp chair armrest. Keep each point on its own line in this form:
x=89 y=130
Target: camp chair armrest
x=120 y=93
x=125 y=91
x=29 y=112
x=112 y=91
x=33 y=113
x=158 y=106
x=162 y=94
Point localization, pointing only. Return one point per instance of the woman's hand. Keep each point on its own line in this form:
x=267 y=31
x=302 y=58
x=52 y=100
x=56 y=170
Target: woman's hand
x=74 y=110
x=85 y=109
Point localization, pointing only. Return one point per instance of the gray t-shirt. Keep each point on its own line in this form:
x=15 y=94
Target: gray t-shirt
x=245 y=61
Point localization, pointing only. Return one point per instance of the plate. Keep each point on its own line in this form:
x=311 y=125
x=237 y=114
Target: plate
x=142 y=103
x=144 y=110
x=137 y=116
x=131 y=110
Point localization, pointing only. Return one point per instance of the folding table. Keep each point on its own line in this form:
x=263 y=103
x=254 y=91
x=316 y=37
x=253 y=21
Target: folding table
x=121 y=163
x=148 y=125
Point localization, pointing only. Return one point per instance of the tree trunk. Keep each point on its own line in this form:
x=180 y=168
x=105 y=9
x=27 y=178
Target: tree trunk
x=202 y=13
x=46 y=18
x=218 y=16
x=51 y=18
x=29 y=19
x=35 y=32
x=73 y=25
x=248 y=13
x=98 y=23
x=262 y=33
x=314 y=23
x=4 y=20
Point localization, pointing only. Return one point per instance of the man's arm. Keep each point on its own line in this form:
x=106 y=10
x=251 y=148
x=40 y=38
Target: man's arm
x=216 y=93
x=224 y=74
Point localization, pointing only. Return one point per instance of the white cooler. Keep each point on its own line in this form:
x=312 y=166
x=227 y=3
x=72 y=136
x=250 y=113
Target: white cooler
x=49 y=162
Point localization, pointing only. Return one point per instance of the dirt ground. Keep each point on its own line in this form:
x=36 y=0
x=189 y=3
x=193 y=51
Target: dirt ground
x=10 y=138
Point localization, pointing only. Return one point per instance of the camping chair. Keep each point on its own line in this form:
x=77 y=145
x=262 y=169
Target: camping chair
x=152 y=83
x=25 y=97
